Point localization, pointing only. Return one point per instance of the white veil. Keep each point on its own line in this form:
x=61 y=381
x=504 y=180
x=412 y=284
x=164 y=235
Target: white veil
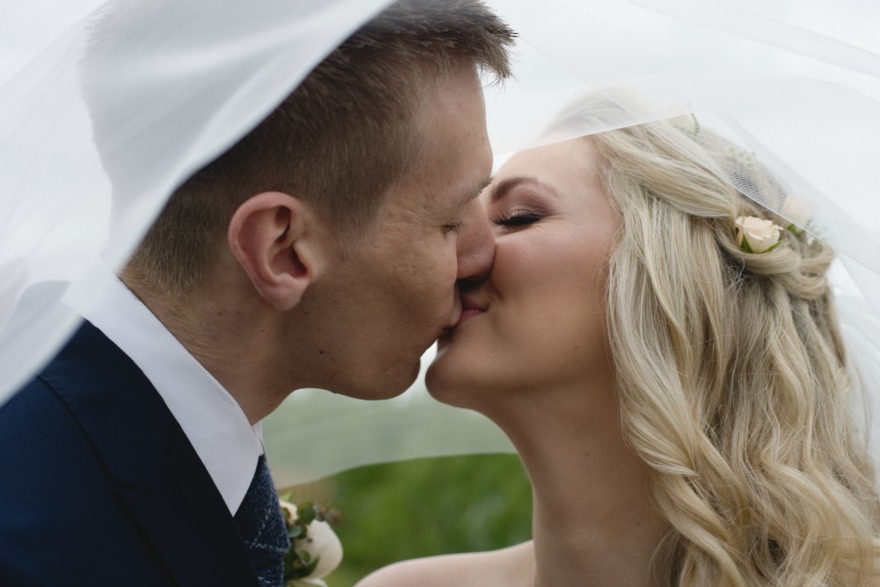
x=174 y=84
x=795 y=84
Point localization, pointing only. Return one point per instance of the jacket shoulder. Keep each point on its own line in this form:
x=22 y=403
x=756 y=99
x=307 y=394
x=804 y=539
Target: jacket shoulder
x=59 y=505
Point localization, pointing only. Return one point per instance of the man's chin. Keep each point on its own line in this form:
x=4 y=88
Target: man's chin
x=387 y=385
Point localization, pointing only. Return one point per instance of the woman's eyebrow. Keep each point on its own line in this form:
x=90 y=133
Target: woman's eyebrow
x=505 y=186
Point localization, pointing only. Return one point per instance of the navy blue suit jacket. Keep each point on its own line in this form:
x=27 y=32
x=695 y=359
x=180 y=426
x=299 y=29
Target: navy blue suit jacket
x=100 y=486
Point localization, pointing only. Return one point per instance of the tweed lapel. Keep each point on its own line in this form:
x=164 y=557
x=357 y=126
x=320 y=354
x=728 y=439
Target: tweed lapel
x=158 y=475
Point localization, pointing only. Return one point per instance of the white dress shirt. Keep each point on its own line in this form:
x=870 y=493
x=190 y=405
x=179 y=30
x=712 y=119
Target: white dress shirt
x=212 y=420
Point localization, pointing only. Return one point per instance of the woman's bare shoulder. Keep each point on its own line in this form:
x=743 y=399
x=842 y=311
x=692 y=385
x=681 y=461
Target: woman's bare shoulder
x=508 y=567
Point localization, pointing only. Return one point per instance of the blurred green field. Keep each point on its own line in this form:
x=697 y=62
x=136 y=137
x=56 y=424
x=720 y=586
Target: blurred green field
x=424 y=507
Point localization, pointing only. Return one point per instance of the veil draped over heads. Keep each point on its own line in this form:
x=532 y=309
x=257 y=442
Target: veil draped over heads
x=101 y=127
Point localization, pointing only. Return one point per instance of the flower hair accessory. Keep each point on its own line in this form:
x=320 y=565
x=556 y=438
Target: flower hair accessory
x=756 y=235
x=315 y=550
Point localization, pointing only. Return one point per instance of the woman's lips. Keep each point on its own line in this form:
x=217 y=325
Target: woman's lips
x=468 y=313
x=469 y=309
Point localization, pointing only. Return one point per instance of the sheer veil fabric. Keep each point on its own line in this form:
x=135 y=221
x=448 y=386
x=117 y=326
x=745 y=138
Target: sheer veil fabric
x=795 y=85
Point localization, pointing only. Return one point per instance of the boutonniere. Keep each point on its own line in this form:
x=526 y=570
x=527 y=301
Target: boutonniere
x=315 y=550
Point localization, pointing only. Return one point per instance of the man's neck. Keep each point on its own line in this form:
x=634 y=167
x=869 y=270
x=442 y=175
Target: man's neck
x=229 y=335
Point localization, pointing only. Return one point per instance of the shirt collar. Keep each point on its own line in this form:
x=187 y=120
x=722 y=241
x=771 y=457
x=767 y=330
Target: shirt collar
x=210 y=417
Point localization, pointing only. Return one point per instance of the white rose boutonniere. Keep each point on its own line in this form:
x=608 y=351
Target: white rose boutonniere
x=756 y=235
x=315 y=550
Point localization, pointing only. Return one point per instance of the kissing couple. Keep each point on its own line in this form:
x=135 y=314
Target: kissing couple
x=636 y=308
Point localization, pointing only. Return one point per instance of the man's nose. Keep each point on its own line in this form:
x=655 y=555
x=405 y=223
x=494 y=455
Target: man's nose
x=476 y=245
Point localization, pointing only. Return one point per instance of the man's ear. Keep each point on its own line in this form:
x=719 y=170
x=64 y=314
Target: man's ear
x=276 y=239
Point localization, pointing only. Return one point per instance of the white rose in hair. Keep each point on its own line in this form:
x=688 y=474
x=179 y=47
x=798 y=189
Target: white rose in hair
x=756 y=235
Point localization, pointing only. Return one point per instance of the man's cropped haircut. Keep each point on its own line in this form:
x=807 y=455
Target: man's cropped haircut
x=340 y=141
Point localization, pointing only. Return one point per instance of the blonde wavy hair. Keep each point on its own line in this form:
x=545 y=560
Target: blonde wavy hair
x=733 y=380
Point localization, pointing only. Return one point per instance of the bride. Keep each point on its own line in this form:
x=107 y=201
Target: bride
x=664 y=354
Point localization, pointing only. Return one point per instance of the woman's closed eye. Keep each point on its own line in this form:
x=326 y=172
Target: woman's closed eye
x=517 y=219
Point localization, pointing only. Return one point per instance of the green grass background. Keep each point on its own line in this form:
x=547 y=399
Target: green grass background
x=424 y=507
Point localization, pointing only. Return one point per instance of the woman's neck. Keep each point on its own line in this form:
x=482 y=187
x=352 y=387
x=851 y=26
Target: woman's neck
x=593 y=521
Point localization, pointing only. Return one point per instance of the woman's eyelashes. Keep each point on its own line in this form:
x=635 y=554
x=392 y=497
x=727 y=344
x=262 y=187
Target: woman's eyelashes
x=517 y=219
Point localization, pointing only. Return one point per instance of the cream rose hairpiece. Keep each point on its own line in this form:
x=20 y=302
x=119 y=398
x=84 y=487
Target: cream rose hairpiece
x=756 y=235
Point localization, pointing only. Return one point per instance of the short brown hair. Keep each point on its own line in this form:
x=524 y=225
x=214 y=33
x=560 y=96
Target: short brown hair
x=340 y=140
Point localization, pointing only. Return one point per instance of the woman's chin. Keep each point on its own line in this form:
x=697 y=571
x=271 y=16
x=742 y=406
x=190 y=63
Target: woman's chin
x=436 y=378
x=447 y=382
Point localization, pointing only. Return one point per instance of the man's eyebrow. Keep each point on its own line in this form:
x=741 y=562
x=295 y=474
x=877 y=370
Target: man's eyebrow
x=475 y=193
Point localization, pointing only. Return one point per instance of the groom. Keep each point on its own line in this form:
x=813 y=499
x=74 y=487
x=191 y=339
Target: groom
x=322 y=250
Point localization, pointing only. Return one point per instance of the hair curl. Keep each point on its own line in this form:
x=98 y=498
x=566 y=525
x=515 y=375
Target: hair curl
x=733 y=382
